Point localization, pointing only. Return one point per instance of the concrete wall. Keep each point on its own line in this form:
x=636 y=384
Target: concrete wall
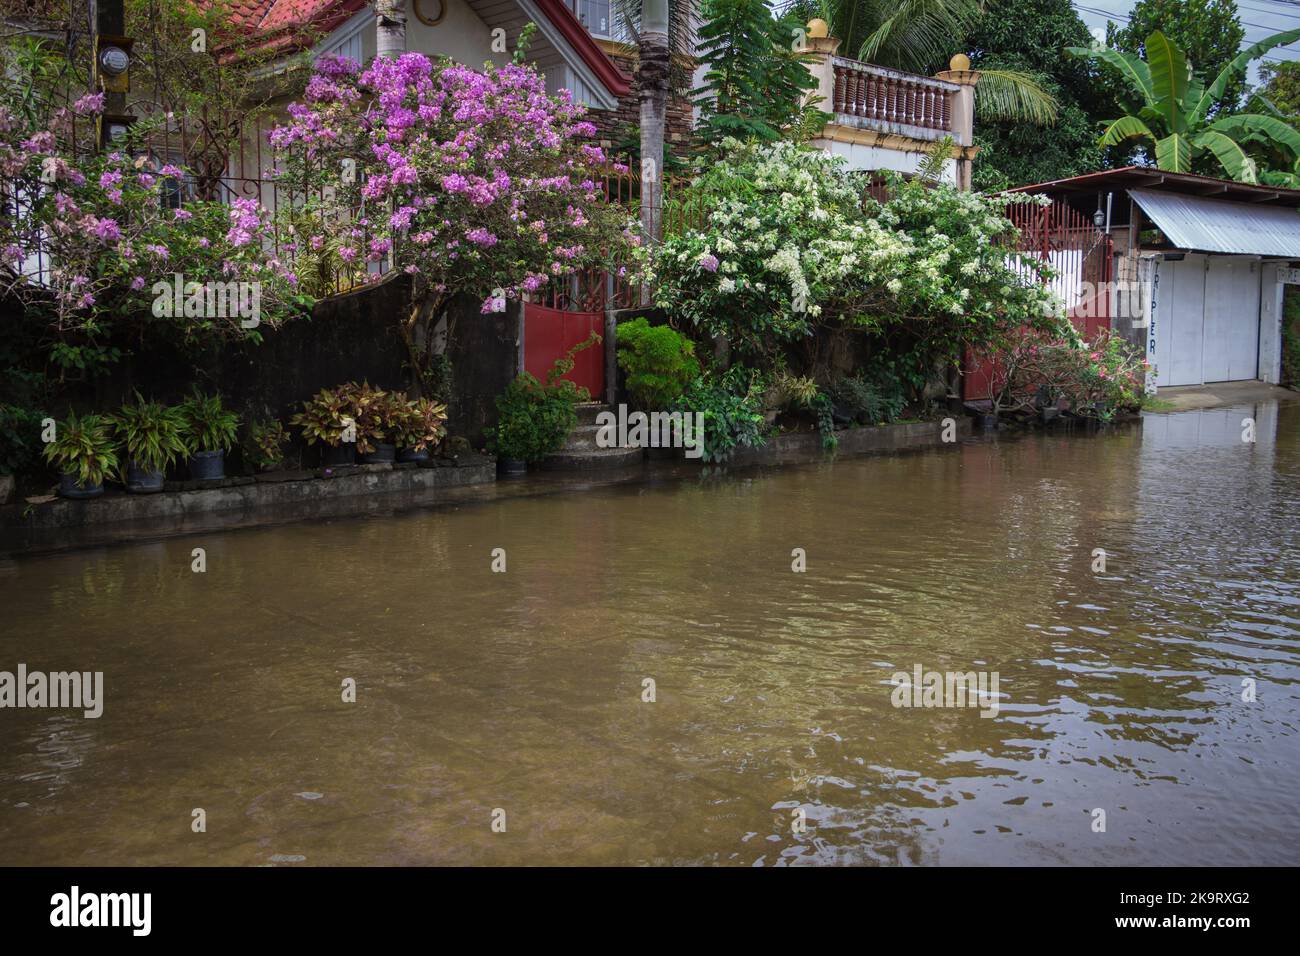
x=348 y=337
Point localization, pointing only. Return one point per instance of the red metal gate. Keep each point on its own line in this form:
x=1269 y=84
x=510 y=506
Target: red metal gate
x=550 y=333
x=1082 y=257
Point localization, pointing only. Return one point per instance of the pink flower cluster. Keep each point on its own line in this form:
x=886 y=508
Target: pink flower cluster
x=451 y=155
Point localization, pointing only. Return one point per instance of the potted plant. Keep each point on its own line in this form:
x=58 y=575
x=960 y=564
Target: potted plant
x=152 y=438
x=328 y=417
x=534 y=419
x=420 y=426
x=265 y=444
x=84 y=451
x=377 y=414
x=211 y=430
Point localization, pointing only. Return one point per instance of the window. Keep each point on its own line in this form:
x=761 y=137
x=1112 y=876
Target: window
x=595 y=15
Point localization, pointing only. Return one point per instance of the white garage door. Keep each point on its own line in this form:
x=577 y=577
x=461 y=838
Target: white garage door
x=1207 y=320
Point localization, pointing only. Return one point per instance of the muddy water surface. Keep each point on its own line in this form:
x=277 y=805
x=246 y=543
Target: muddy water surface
x=1119 y=690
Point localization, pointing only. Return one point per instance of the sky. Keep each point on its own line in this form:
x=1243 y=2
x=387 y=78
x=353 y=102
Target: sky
x=1259 y=18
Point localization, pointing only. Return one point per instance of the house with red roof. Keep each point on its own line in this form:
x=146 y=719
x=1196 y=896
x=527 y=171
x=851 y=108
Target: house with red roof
x=569 y=54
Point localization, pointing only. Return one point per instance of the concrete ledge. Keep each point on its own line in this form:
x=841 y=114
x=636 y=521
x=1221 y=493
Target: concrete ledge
x=64 y=523
x=798 y=447
x=1184 y=398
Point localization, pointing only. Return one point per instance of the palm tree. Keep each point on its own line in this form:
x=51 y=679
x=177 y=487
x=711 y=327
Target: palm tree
x=653 y=63
x=919 y=36
x=1172 y=106
x=662 y=34
x=390 y=28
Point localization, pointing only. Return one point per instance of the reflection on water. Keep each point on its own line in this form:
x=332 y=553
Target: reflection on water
x=1121 y=690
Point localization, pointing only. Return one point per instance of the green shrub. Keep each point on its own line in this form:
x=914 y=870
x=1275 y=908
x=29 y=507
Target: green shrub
x=84 y=447
x=659 y=361
x=732 y=405
x=151 y=434
x=535 y=418
x=871 y=397
x=209 y=426
x=1291 y=341
x=265 y=443
x=20 y=439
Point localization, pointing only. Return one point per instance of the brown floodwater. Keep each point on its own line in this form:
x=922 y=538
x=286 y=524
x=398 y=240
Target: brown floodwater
x=521 y=691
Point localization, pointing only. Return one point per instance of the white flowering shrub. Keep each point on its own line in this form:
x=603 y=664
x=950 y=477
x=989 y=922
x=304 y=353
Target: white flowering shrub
x=792 y=243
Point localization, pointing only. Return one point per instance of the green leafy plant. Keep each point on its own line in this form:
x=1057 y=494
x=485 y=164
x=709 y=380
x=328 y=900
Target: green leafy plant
x=535 y=418
x=151 y=434
x=872 y=397
x=326 y=416
x=209 y=425
x=659 y=361
x=264 y=444
x=732 y=406
x=376 y=412
x=1093 y=380
x=754 y=81
x=19 y=438
x=85 y=448
x=421 y=424
x=791 y=246
x=1172 y=105
x=1291 y=340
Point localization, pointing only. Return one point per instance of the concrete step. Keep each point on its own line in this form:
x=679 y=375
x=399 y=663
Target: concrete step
x=593 y=459
x=587 y=411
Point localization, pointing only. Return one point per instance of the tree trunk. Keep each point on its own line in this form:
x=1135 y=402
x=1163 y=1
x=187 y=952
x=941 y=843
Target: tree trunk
x=390 y=27
x=652 y=83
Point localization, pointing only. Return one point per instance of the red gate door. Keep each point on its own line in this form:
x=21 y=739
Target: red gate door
x=550 y=333
x=1080 y=254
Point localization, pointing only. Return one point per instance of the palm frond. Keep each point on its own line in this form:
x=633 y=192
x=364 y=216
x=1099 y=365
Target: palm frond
x=1014 y=95
x=914 y=35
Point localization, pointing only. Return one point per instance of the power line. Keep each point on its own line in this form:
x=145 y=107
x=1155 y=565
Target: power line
x=1245 y=44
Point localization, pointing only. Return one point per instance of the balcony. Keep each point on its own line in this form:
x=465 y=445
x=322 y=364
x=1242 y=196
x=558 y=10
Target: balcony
x=884 y=119
x=872 y=97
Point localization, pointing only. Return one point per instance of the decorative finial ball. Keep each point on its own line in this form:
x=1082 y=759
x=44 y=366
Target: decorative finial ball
x=817 y=28
x=960 y=62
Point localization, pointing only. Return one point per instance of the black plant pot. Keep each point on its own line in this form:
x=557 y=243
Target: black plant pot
x=410 y=454
x=384 y=452
x=208 y=465
x=143 y=481
x=70 y=487
x=344 y=454
x=512 y=466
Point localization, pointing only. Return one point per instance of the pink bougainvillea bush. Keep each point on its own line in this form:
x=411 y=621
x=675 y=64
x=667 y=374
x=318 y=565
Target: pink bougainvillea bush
x=88 y=237
x=472 y=182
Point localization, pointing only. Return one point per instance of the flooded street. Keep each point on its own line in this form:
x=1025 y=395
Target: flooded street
x=1119 y=690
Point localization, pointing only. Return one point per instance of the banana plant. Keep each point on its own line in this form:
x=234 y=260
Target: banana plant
x=1172 y=104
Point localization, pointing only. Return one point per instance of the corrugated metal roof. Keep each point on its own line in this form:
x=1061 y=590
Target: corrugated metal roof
x=1214 y=225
